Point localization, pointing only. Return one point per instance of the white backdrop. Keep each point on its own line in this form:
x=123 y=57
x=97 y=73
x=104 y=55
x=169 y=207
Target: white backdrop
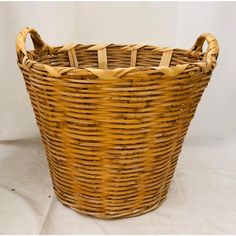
x=175 y=24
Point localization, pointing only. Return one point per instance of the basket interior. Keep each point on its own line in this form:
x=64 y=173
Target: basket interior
x=117 y=57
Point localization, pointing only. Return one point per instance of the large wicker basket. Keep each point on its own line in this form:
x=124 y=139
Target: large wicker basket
x=113 y=118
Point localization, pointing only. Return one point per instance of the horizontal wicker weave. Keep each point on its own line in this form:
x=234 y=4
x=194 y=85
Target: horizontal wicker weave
x=113 y=118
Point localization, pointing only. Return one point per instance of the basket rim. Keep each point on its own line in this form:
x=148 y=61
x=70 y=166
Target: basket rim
x=205 y=65
x=58 y=71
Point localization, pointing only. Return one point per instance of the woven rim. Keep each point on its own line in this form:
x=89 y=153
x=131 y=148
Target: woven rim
x=207 y=64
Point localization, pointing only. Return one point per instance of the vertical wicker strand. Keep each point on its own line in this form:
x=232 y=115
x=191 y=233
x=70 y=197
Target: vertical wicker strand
x=102 y=58
x=105 y=147
x=134 y=53
x=166 y=57
x=133 y=58
x=101 y=55
x=73 y=58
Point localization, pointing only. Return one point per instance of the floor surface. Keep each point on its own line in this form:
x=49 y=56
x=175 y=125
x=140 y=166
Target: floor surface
x=201 y=200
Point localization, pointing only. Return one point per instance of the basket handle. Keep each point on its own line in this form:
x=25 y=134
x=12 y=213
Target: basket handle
x=21 y=40
x=211 y=53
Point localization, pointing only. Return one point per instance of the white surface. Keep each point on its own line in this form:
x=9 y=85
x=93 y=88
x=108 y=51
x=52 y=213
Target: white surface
x=161 y=23
x=201 y=198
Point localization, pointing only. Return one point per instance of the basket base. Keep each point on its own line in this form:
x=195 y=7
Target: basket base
x=136 y=212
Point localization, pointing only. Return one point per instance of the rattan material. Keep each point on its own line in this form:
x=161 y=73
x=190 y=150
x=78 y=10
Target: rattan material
x=113 y=118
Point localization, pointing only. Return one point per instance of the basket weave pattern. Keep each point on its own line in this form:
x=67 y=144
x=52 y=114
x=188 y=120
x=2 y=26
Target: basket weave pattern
x=113 y=118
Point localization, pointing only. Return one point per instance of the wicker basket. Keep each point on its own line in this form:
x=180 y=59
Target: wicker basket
x=113 y=118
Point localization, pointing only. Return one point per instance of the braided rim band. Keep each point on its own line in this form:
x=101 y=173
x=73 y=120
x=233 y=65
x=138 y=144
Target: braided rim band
x=208 y=63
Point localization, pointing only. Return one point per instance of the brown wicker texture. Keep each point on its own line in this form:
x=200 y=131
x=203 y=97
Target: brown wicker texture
x=113 y=118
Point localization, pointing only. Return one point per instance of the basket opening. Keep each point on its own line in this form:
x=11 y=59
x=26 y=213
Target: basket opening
x=114 y=56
